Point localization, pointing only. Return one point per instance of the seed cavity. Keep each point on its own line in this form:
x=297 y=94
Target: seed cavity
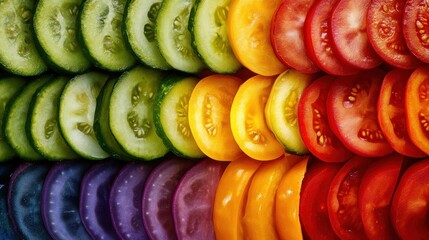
x=347 y=196
x=220 y=16
x=321 y=136
x=399 y=126
x=421 y=22
x=85 y=128
x=351 y=97
x=140 y=127
x=110 y=45
x=424 y=91
x=371 y=135
x=138 y=95
x=326 y=44
x=103 y=16
x=255 y=135
x=182 y=116
x=290 y=109
x=209 y=124
x=50 y=125
x=181 y=33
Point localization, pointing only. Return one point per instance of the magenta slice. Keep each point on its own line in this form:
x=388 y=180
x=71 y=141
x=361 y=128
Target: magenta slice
x=125 y=201
x=194 y=198
x=94 y=200
x=24 y=200
x=158 y=196
x=60 y=200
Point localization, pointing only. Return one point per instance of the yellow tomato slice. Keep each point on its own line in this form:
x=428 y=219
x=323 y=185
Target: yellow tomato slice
x=248 y=124
x=258 y=220
x=208 y=116
x=287 y=202
x=248 y=28
x=230 y=199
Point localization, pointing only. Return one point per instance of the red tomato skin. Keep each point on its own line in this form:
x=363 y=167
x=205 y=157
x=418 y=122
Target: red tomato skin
x=413 y=23
x=348 y=31
x=313 y=204
x=351 y=106
x=375 y=195
x=287 y=30
x=384 y=31
x=410 y=204
x=318 y=42
x=314 y=127
x=343 y=207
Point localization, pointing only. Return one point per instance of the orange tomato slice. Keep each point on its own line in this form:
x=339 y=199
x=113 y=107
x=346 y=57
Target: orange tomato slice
x=248 y=28
x=287 y=202
x=230 y=198
x=248 y=123
x=208 y=116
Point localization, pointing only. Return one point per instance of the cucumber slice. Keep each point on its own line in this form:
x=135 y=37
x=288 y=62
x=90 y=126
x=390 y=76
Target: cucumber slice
x=15 y=118
x=9 y=86
x=131 y=122
x=18 y=52
x=101 y=123
x=42 y=123
x=101 y=33
x=171 y=116
x=76 y=114
x=55 y=30
x=174 y=38
x=143 y=43
x=207 y=25
x=284 y=96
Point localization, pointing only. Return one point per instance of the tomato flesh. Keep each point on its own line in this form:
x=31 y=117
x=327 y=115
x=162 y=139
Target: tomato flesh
x=348 y=31
x=415 y=28
x=384 y=30
x=314 y=126
x=287 y=34
x=318 y=41
x=352 y=113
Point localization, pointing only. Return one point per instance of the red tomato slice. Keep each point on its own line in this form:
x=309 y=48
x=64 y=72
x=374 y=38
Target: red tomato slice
x=414 y=27
x=417 y=108
x=343 y=208
x=313 y=204
x=348 y=29
x=287 y=34
x=352 y=113
x=375 y=195
x=318 y=41
x=313 y=123
x=384 y=31
x=391 y=113
x=410 y=204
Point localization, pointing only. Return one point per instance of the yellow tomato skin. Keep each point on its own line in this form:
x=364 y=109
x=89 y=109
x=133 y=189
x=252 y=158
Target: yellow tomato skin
x=287 y=202
x=258 y=220
x=248 y=28
x=248 y=123
x=209 y=116
x=230 y=198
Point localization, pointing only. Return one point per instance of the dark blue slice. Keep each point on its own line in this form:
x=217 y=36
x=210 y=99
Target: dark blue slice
x=60 y=200
x=25 y=190
x=6 y=227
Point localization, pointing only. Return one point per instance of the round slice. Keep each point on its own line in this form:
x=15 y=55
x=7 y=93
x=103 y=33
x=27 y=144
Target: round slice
x=100 y=29
x=9 y=86
x=171 y=115
x=414 y=27
x=94 y=200
x=140 y=13
x=42 y=124
x=125 y=200
x=56 y=33
x=131 y=119
x=207 y=25
x=25 y=200
x=77 y=105
x=7 y=231
x=18 y=53
x=174 y=38
x=15 y=120
x=157 y=201
x=193 y=200
x=60 y=200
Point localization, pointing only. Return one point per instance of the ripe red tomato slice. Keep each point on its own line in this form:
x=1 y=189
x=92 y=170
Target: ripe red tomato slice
x=318 y=41
x=348 y=29
x=384 y=31
x=352 y=113
x=375 y=195
x=391 y=113
x=343 y=208
x=313 y=203
x=410 y=204
x=313 y=123
x=287 y=34
x=417 y=108
x=414 y=27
